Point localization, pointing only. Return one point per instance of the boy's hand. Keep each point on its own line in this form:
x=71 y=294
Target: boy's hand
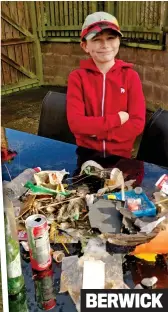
x=124 y=116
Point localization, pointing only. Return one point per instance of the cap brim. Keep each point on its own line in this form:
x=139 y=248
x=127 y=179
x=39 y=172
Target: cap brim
x=91 y=34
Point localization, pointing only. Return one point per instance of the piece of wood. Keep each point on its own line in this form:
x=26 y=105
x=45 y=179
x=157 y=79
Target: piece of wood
x=57 y=23
x=47 y=8
x=36 y=23
x=14 y=17
x=143 y=45
x=27 y=16
x=21 y=14
x=85 y=9
x=14 y=41
x=61 y=13
x=66 y=16
x=31 y=58
x=120 y=13
x=5 y=67
x=25 y=54
x=141 y=29
x=3 y=29
x=10 y=49
x=76 y=18
x=21 y=85
x=12 y=23
x=63 y=27
x=109 y=7
x=21 y=69
x=43 y=17
x=52 y=15
x=37 y=47
x=2 y=83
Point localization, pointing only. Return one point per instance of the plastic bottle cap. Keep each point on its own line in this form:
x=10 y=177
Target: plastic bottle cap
x=37 y=169
x=138 y=190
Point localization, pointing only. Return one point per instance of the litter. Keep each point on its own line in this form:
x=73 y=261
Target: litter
x=162 y=183
x=58 y=256
x=93 y=274
x=104 y=216
x=73 y=270
x=147 y=207
x=99 y=220
x=151 y=257
x=149 y=282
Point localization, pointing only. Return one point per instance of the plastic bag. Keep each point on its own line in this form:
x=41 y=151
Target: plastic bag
x=72 y=269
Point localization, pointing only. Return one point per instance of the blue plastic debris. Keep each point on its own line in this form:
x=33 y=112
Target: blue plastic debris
x=147 y=209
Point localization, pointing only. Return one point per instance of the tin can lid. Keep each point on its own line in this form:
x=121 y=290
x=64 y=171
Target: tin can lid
x=35 y=221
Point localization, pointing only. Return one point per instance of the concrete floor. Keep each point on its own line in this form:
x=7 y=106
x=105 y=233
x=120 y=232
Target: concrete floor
x=21 y=110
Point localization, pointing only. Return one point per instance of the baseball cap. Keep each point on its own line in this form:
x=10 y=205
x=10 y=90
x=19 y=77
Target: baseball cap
x=98 y=21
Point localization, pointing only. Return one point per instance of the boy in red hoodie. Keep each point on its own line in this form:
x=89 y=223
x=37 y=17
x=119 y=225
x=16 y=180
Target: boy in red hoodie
x=105 y=101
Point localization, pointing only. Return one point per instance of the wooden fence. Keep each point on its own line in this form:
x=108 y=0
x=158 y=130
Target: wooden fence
x=142 y=22
x=25 y=24
x=21 y=63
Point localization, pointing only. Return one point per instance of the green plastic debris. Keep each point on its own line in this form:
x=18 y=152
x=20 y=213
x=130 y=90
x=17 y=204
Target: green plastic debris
x=43 y=190
x=76 y=217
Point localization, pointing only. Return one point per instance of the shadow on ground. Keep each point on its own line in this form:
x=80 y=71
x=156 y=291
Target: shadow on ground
x=21 y=110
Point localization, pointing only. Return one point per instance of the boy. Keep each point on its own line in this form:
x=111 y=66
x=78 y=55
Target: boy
x=105 y=102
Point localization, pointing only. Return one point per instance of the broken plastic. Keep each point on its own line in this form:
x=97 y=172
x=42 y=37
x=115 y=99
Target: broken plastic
x=91 y=167
x=43 y=190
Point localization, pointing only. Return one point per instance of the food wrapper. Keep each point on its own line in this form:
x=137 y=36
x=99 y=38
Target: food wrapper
x=50 y=178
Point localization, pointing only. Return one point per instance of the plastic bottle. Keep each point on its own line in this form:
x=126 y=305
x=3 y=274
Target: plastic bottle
x=14 y=271
x=16 y=284
x=18 y=302
x=15 y=188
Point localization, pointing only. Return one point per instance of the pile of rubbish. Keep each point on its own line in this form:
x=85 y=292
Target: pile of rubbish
x=117 y=213
x=73 y=213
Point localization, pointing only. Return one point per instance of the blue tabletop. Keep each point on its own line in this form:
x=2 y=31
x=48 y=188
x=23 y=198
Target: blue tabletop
x=34 y=151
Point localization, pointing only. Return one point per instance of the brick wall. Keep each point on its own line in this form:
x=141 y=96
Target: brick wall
x=59 y=59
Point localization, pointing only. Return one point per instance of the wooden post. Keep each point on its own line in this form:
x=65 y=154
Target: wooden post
x=164 y=15
x=109 y=7
x=163 y=19
x=37 y=47
x=94 y=6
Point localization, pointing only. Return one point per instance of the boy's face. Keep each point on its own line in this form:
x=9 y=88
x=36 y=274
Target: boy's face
x=103 y=47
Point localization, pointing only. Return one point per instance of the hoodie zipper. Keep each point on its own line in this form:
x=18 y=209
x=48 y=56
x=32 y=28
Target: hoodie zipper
x=103 y=98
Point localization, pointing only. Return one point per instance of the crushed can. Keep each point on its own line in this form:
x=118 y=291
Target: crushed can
x=38 y=239
x=44 y=289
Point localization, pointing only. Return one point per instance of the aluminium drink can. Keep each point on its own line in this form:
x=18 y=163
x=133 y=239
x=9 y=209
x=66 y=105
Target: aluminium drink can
x=38 y=239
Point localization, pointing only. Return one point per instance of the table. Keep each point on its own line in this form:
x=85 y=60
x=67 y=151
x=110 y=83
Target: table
x=33 y=151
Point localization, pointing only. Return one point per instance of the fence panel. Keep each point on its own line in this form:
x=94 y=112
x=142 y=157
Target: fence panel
x=18 y=47
x=141 y=22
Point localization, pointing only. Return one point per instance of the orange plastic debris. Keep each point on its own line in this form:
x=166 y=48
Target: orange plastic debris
x=158 y=245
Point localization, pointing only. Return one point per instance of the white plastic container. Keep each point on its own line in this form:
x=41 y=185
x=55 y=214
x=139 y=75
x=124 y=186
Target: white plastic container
x=15 y=188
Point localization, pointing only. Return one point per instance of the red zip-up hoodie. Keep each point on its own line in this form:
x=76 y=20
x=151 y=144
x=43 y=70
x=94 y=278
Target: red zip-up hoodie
x=93 y=102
